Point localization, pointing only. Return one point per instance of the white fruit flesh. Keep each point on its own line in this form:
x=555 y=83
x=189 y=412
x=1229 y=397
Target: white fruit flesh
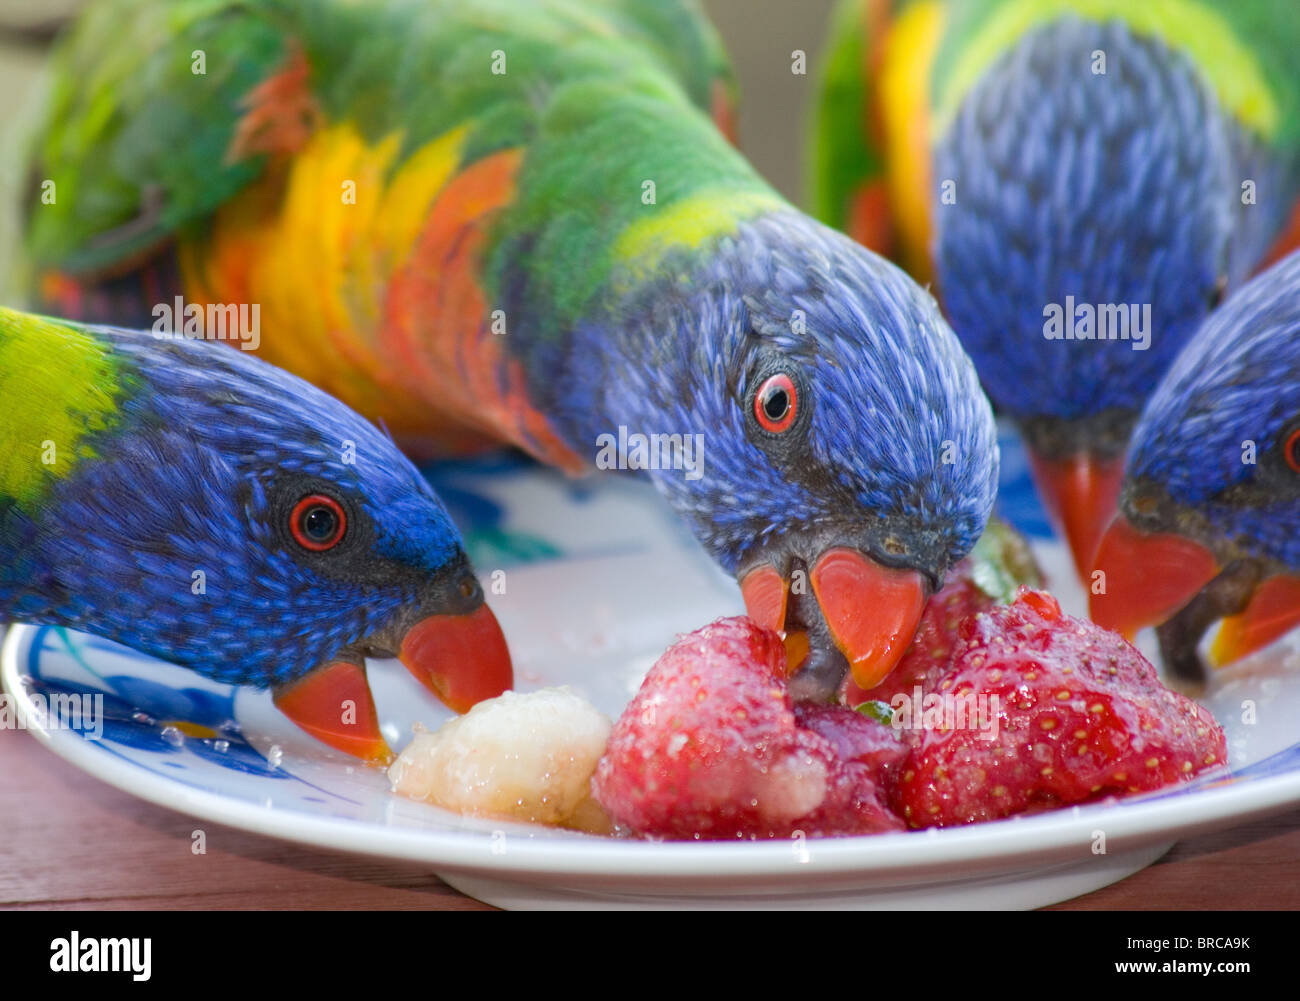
x=519 y=756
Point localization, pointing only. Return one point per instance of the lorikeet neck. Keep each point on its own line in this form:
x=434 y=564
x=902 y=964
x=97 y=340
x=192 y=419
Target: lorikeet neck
x=61 y=389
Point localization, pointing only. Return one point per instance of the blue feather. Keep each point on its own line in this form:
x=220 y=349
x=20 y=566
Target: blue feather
x=1114 y=188
x=1233 y=396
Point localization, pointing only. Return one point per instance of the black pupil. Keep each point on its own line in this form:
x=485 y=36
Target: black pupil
x=776 y=403
x=319 y=523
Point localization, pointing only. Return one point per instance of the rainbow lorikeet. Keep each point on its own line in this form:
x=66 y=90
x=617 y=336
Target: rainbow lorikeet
x=1082 y=179
x=202 y=506
x=1210 y=502
x=494 y=221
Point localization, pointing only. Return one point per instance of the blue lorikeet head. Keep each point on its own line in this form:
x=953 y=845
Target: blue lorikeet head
x=1092 y=221
x=845 y=455
x=1211 y=494
x=231 y=518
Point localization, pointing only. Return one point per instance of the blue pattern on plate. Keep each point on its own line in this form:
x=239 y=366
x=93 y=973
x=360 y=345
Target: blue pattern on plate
x=482 y=518
x=141 y=714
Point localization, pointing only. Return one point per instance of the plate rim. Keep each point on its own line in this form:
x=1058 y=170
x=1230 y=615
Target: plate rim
x=1060 y=835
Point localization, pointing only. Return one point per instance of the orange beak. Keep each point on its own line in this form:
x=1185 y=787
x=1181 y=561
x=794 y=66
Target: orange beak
x=1081 y=492
x=1143 y=579
x=872 y=611
x=1148 y=577
x=333 y=703
x=1273 y=611
x=765 y=592
x=462 y=659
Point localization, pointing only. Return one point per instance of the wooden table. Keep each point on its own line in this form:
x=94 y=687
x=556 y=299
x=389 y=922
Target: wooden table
x=69 y=841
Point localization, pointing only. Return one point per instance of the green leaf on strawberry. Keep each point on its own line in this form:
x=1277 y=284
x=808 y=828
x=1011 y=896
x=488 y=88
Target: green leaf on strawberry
x=1002 y=561
x=881 y=712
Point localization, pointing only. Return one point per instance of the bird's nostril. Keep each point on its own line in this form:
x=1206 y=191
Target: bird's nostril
x=895 y=547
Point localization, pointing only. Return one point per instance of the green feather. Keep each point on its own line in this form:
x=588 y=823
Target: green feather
x=134 y=139
x=841 y=155
x=60 y=386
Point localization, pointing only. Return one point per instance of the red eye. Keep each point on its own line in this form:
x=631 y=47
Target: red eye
x=318 y=523
x=1290 y=452
x=776 y=403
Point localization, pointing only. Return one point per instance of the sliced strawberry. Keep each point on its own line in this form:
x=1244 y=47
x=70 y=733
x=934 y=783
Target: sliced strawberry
x=1081 y=715
x=867 y=756
x=712 y=747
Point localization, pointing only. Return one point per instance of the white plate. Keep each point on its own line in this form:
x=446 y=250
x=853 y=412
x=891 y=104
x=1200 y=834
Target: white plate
x=599 y=577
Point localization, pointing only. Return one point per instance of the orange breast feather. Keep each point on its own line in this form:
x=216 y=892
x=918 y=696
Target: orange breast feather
x=366 y=269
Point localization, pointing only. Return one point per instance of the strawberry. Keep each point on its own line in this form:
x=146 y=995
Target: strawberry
x=713 y=747
x=1081 y=715
x=1000 y=562
x=867 y=755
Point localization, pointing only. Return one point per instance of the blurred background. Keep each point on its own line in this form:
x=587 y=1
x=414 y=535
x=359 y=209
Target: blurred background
x=760 y=35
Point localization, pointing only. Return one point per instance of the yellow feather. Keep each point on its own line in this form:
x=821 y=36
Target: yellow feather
x=686 y=224
x=906 y=62
x=315 y=242
x=1202 y=33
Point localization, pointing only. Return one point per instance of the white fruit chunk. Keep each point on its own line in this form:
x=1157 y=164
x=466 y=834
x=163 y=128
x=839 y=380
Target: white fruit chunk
x=519 y=756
